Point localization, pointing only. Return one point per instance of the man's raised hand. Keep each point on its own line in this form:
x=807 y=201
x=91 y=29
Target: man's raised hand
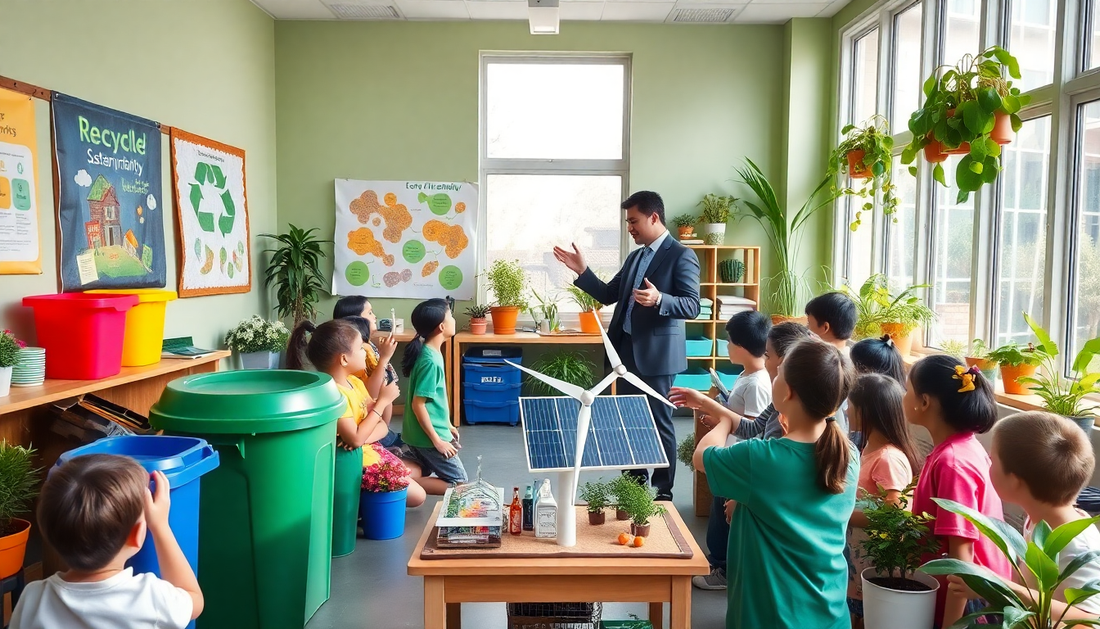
x=573 y=260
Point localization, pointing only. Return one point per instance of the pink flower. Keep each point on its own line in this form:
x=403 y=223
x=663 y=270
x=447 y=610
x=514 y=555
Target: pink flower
x=386 y=475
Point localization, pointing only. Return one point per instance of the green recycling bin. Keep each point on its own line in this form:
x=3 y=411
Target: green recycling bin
x=265 y=527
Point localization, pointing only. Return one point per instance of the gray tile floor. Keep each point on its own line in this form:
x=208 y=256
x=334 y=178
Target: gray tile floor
x=370 y=587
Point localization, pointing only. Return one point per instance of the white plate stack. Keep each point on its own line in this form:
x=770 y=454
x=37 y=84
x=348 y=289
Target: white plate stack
x=31 y=369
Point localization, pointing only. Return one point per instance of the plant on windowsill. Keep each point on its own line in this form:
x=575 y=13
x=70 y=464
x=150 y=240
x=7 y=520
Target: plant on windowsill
x=881 y=311
x=971 y=110
x=954 y=348
x=508 y=281
x=716 y=213
x=866 y=153
x=568 y=366
x=978 y=356
x=477 y=315
x=594 y=494
x=638 y=503
x=685 y=224
x=1016 y=362
x=589 y=316
x=548 y=309
x=1065 y=396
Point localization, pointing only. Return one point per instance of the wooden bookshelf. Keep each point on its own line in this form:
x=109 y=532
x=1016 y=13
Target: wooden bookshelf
x=710 y=286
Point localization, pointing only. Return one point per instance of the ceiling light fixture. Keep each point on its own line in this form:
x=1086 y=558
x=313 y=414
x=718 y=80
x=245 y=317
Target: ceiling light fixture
x=543 y=16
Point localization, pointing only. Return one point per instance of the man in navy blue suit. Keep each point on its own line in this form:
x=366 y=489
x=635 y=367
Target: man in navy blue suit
x=656 y=290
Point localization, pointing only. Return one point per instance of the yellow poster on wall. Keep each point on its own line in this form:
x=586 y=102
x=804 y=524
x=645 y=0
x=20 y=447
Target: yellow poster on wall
x=20 y=251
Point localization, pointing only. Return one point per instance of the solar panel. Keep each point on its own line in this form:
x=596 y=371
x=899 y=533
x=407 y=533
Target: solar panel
x=621 y=435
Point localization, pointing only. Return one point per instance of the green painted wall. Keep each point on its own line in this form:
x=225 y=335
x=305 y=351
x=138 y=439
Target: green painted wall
x=206 y=66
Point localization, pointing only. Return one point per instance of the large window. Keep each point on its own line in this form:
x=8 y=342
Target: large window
x=1032 y=40
x=907 y=70
x=864 y=97
x=554 y=162
x=1091 y=51
x=901 y=232
x=953 y=254
x=1087 y=276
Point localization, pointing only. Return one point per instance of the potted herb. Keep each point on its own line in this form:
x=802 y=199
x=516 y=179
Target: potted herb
x=972 y=109
x=477 y=316
x=589 y=316
x=880 y=310
x=788 y=289
x=895 y=595
x=508 y=281
x=1060 y=395
x=685 y=451
x=548 y=308
x=9 y=357
x=1038 y=558
x=1016 y=363
x=19 y=480
x=638 y=503
x=978 y=356
x=954 y=348
x=568 y=366
x=616 y=489
x=685 y=224
x=295 y=270
x=258 y=342
x=867 y=153
x=594 y=493
x=382 y=500
x=716 y=213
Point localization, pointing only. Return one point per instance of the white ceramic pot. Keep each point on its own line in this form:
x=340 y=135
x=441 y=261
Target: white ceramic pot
x=259 y=360
x=5 y=381
x=714 y=233
x=884 y=608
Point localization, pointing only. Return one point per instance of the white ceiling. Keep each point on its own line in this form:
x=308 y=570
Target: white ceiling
x=663 y=11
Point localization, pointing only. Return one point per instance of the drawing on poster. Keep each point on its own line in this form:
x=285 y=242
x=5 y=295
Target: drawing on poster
x=19 y=249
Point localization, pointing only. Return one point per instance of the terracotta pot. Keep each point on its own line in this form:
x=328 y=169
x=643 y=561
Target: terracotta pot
x=13 y=548
x=1009 y=374
x=986 y=366
x=686 y=232
x=1002 y=132
x=504 y=319
x=856 y=168
x=640 y=530
x=621 y=515
x=933 y=153
x=902 y=340
x=597 y=517
x=478 y=326
x=590 y=322
x=777 y=319
x=963 y=149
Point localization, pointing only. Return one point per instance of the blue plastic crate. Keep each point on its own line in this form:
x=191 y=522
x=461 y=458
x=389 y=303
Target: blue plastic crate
x=694 y=378
x=699 y=346
x=488 y=412
x=728 y=374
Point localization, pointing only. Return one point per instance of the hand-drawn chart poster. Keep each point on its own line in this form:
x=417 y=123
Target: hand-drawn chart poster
x=109 y=204
x=405 y=239
x=19 y=245
x=210 y=202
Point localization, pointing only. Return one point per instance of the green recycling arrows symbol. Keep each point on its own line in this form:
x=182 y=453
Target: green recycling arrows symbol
x=209 y=173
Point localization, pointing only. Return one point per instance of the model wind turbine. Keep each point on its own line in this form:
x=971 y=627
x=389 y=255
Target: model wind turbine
x=567 y=481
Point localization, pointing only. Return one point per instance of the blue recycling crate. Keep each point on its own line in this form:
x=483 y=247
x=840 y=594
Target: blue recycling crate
x=490 y=387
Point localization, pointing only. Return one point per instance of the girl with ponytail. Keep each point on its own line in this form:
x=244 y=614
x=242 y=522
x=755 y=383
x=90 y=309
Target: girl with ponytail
x=794 y=498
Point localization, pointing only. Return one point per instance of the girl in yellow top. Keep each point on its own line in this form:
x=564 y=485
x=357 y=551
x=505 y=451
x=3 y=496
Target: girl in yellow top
x=380 y=372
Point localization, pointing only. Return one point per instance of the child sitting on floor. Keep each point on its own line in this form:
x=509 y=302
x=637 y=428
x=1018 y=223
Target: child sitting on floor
x=380 y=371
x=832 y=318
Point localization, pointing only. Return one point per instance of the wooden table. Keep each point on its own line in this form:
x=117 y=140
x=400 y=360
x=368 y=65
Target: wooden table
x=450 y=582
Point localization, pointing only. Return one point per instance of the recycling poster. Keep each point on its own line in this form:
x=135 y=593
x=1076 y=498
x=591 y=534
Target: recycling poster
x=209 y=188
x=109 y=204
x=405 y=239
x=19 y=248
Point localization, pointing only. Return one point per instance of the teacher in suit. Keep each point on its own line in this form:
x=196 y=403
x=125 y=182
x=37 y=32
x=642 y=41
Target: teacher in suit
x=656 y=290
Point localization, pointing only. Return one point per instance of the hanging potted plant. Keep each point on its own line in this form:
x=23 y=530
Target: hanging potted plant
x=589 y=315
x=685 y=225
x=1017 y=363
x=716 y=213
x=638 y=503
x=19 y=480
x=867 y=153
x=508 y=281
x=295 y=270
x=567 y=366
x=972 y=109
x=477 y=316
x=9 y=357
x=879 y=311
x=258 y=342
x=978 y=356
x=382 y=501
x=594 y=493
x=1060 y=395
x=895 y=594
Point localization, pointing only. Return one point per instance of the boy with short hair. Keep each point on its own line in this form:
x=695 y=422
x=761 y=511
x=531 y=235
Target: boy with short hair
x=832 y=317
x=95 y=511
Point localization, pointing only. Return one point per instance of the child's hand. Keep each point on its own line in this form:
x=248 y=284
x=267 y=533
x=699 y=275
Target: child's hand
x=955 y=585
x=388 y=395
x=158 y=504
x=688 y=398
x=454 y=433
x=729 y=507
x=387 y=346
x=446 y=449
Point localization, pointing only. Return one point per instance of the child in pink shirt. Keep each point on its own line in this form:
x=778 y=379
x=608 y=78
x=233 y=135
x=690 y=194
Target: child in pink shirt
x=954 y=403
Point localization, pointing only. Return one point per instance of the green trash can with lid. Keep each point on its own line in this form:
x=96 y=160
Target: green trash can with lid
x=265 y=528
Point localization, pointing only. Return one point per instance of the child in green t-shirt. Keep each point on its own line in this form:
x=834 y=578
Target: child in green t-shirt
x=427 y=428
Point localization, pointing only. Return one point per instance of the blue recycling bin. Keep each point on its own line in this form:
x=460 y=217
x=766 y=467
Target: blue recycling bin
x=490 y=386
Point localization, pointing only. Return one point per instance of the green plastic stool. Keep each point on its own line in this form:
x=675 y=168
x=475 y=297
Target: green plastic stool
x=265 y=523
x=345 y=500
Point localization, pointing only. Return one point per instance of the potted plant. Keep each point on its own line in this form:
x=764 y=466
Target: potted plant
x=788 y=288
x=19 y=480
x=685 y=224
x=382 y=501
x=1060 y=395
x=638 y=503
x=978 y=356
x=258 y=342
x=895 y=595
x=477 y=316
x=1038 y=558
x=594 y=493
x=972 y=109
x=716 y=213
x=880 y=311
x=589 y=316
x=1016 y=363
x=685 y=451
x=951 y=347
x=548 y=308
x=616 y=489
x=9 y=357
x=508 y=281
x=866 y=153
x=568 y=366
x=295 y=270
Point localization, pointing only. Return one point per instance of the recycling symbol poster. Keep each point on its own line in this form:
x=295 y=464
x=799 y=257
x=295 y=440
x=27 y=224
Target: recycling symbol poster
x=209 y=189
x=405 y=239
x=109 y=207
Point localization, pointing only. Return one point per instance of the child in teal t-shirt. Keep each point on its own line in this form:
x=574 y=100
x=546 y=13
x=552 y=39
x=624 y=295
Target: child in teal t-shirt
x=426 y=427
x=794 y=497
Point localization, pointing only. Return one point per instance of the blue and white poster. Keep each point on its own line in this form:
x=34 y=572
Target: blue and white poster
x=109 y=204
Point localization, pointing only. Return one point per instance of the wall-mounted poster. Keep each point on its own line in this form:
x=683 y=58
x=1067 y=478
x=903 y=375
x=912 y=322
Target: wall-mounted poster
x=109 y=204
x=19 y=245
x=209 y=191
x=411 y=239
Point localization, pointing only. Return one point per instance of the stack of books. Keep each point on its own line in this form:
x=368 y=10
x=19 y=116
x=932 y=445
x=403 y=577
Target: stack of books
x=729 y=305
x=706 y=309
x=182 y=347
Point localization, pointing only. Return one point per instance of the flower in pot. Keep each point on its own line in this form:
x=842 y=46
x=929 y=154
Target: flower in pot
x=258 y=342
x=866 y=153
x=894 y=594
x=882 y=311
x=685 y=224
x=589 y=316
x=19 y=478
x=477 y=316
x=1016 y=364
x=716 y=213
x=295 y=270
x=382 y=500
x=978 y=356
x=508 y=281
x=567 y=366
x=548 y=309
x=1065 y=396
x=638 y=503
x=9 y=357
x=616 y=489
x=970 y=109
x=594 y=493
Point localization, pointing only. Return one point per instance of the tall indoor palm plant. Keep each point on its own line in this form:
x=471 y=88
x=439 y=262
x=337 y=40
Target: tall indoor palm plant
x=295 y=270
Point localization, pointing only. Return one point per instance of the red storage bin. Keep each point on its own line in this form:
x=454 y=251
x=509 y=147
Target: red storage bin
x=82 y=333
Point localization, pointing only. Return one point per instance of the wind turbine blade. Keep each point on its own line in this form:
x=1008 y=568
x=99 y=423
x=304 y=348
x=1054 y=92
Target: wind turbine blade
x=583 y=419
x=606 y=382
x=571 y=390
x=612 y=355
x=648 y=390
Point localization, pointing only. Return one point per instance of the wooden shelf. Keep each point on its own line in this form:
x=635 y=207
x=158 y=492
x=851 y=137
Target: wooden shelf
x=727 y=284
x=728 y=247
x=704 y=357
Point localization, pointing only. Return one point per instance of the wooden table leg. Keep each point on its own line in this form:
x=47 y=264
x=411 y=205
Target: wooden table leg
x=680 y=607
x=657 y=615
x=454 y=615
x=435 y=610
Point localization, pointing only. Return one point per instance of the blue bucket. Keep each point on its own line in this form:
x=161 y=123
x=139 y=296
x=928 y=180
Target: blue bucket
x=383 y=513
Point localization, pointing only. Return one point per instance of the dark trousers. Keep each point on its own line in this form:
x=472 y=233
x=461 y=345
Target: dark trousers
x=662 y=478
x=718 y=534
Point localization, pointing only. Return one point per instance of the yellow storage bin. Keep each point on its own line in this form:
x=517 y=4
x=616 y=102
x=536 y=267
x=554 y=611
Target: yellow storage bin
x=144 y=337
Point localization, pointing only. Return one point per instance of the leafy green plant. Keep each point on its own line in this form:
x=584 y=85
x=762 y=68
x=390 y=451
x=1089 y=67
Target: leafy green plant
x=874 y=141
x=508 y=281
x=1024 y=609
x=257 y=335
x=567 y=366
x=685 y=450
x=477 y=312
x=897 y=538
x=1060 y=395
x=788 y=288
x=954 y=348
x=685 y=220
x=1013 y=355
x=638 y=502
x=9 y=349
x=716 y=209
x=595 y=494
x=295 y=270
x=978 y=349
x=876 y=304
x=584 y=301
x=960 y=110
x=617 y=486
x=548 y=307
x=19 y=482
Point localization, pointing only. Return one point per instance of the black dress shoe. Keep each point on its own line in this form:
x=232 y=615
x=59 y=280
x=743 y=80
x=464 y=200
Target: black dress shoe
x=665 y=497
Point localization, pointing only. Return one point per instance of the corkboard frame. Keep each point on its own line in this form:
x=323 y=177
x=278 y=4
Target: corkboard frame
x=182 y=251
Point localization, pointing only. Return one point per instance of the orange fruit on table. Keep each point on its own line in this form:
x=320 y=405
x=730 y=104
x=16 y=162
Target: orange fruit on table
x=624 y=539
x=639 y=542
